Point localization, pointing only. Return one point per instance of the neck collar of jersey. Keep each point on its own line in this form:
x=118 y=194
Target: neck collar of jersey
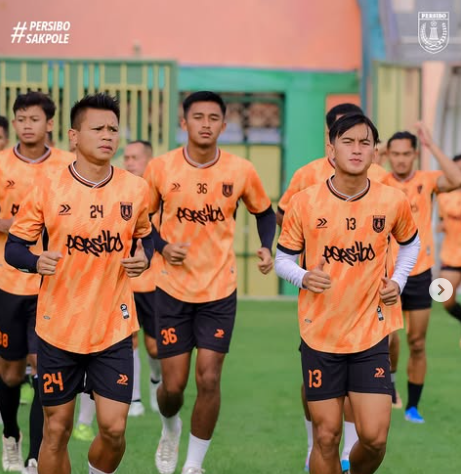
x=87 y=182
x=345 y=197
x=40 y=159
x=404 y=180
x=195 y=164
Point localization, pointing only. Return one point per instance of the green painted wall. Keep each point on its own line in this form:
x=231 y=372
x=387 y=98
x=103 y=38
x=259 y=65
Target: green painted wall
x=305 y=101
x=305 y=97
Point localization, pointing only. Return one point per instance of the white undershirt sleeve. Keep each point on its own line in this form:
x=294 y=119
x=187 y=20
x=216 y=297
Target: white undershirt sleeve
x=286 y=267
x=406 y=260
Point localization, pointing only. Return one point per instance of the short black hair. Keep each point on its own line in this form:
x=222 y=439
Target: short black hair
x=457 y=158
x=4 y=124
x=98 y=101
x=404 y=136
x=24 y=101
x=346 y=122
x=203 y=96
x=145 y=143
x=341 y=109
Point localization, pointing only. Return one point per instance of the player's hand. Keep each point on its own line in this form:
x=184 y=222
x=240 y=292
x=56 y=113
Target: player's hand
x=390 y=291
x=265 y=263
x=424 y=135
x=46 y=263
x=135 y=265
x=440 y=227
x=5 y=225
x=317 y=280
x=175 y=253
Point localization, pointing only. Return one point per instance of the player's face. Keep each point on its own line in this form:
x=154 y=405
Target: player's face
x=401 y=157
x=31 y=125
x=3 y=139
x=204 y=123
x=98 y=137
x=354 y=151
x=135 y=158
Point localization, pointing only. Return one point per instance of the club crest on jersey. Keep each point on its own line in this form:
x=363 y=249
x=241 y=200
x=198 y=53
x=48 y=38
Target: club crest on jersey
x=420 y=188
x=14 y=209
x=227 y=189
x=378 y=223
x=126 y=210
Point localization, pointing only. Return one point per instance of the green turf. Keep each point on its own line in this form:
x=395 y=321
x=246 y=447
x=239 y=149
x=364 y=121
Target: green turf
x=261 y=428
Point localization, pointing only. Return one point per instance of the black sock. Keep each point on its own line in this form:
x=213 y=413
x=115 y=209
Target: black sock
x=35 y=423
x=455 y=311
x=414 y=394
x=9 y=405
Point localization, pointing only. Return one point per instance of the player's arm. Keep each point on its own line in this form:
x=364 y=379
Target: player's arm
x=258 y=203
x=289 y=247
x=25 y=232
x=451 y=178
x=265 y=222
x=292 y=189
x=142 y=248
x=174 y=253
x=406 y=235
x=141 y=255
x=5 y=225
x=440 y=227
x=18 y=255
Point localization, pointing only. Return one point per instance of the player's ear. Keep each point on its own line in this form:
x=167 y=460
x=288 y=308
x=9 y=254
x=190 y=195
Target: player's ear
x=49 y=125
x=330 y=151
x=376 y=155
x=72 y=135
x=184 y=124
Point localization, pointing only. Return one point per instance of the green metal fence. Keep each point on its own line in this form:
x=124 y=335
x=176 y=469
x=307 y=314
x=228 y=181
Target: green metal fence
x=147 y=91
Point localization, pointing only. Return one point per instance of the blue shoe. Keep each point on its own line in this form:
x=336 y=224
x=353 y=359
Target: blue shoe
x=306 y=466
x=413 y=415
x=345 y=465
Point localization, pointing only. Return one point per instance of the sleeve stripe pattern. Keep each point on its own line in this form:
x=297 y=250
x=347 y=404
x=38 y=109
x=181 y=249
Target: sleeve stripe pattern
x=409 y=241
x=289 y=251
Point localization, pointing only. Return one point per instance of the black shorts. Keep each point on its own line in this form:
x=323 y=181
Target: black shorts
x=328 y=375
x=181 y=326
x=17 y=325
x=145 y=304
x=416 y=294
x=62 y=374
x=449 y=268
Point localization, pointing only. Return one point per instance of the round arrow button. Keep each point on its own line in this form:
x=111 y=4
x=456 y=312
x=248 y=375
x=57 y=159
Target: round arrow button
x=441 y=290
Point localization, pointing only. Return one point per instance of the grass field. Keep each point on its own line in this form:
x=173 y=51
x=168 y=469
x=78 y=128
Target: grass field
x=261 y=428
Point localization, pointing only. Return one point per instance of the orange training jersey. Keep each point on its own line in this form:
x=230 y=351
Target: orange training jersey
x=18 y=176
x=318 y=171
x=450 y=212
x=352 y=236
x=420 y=188
x=197 y=206
x=88 y=305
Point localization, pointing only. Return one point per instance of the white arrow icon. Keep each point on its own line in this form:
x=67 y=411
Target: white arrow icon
x=441 y=290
